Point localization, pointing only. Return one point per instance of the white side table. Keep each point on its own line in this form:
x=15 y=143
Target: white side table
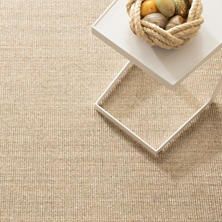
x=113 y=28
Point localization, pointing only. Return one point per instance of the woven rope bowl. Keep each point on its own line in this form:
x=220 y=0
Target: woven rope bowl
x=167 y=39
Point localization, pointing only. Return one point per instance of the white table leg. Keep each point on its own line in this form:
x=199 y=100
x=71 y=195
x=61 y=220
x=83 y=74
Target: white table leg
x=98 y=106
x=123 y=72
x=216 y=90
x=111 y=87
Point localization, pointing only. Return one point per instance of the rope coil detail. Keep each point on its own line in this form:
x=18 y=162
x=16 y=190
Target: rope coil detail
x=156 y=36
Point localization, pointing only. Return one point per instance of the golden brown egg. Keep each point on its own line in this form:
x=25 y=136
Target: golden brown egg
x=148 y=7
x=181 y=7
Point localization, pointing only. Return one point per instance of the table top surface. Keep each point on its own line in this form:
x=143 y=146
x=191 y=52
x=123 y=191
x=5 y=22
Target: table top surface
x=169 y=66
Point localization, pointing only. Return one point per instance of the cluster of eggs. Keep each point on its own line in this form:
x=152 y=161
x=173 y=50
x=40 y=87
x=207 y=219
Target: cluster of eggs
x=165 y=13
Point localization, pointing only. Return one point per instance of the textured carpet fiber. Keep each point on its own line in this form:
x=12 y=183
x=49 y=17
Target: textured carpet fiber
x=61 y=161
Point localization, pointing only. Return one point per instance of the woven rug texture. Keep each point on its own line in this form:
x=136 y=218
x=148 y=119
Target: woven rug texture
x=60 y=161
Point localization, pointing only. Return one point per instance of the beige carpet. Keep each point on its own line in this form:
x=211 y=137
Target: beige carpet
x=61 y=161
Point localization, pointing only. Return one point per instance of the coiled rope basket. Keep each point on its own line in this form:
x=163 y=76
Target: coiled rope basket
x=156 y=36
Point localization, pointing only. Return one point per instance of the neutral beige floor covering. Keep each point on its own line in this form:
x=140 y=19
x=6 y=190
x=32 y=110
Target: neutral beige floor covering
x=61 y=161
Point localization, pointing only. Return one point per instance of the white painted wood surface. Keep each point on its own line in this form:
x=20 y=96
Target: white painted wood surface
x=170 y=67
